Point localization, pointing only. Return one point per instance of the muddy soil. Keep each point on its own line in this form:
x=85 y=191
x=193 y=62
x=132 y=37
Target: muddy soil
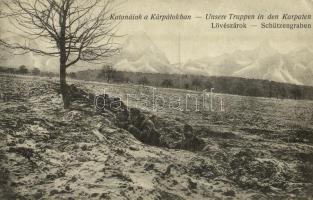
x=48 y=152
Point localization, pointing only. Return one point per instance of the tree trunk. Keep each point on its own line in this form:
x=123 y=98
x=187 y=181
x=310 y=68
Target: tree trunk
x=63 y=86
x=63 y=60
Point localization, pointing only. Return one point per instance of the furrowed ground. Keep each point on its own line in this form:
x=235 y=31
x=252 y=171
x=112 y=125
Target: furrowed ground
x=257 y=148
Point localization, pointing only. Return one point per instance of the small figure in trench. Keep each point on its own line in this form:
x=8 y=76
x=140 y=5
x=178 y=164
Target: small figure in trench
x=142 y=127
x=191 y=141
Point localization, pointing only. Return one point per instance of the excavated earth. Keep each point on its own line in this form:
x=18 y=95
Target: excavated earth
x=257 y=149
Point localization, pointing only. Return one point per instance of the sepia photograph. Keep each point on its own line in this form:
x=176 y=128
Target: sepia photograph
x=156 y=99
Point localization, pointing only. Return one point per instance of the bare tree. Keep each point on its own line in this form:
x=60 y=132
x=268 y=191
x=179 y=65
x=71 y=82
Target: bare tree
x=72 y=30
x=22 y=69
x=36 y=71
x=107 y=72
x=167 y=83
x=143 y=80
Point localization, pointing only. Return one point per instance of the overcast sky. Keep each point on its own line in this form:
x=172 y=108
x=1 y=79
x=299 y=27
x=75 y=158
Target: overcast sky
x=198 y=39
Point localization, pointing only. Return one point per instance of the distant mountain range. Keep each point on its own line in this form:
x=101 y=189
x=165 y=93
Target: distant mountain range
x=140 y=54
x=264 y=62
x=30 y=59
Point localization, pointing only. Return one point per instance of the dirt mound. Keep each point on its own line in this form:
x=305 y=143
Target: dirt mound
x=265 y=174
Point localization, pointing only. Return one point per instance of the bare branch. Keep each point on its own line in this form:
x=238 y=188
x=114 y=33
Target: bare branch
x=74 y=30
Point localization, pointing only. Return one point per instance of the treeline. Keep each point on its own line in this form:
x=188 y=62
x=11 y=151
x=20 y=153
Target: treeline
x=24 y=70
x=228 y=85
x=21 y=70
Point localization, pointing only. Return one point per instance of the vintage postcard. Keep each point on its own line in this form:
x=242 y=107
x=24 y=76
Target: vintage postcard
x=156 y=99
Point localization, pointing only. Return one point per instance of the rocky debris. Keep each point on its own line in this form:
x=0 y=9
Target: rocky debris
x=99 y=135
x=203 y=168
x=170 y=196
x=33 y=156
x=169 y=169
x=23 y=151
x=192 y=185
x=149 y=166
x=230 y=193
x=133 y=148
x=250 y=172
x=6 y=191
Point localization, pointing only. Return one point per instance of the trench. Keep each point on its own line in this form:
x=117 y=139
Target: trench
x=142 y=125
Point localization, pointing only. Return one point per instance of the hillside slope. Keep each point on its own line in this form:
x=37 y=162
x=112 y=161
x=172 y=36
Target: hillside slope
x=52 y=153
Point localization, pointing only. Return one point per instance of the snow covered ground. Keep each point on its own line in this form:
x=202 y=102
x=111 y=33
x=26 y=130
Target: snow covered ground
x=257 y=149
